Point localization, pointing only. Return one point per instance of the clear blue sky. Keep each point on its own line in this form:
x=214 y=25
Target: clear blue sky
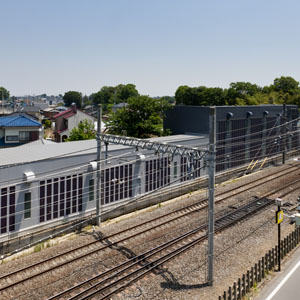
x=53 y=46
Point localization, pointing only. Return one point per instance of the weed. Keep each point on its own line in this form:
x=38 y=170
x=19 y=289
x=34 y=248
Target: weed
x=38 y=247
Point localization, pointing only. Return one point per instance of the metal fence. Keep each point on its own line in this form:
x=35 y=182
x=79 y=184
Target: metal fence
x=258 y=272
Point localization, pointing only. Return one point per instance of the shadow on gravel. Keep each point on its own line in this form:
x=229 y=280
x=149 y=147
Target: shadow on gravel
x=170 y=280
x=178 y=286
x=123 y=250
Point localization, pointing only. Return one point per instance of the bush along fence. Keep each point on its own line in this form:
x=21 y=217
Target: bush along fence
x=258 y=272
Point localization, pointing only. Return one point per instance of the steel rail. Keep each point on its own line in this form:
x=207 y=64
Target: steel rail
x=221 y=223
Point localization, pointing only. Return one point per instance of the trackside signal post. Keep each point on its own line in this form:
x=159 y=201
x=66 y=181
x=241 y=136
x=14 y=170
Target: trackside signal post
x=279 y=219
x=98 y=200
x=211 y=193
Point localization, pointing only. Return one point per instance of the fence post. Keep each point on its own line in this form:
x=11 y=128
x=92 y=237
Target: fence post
x=244 y=285
x=220 y=297
x=255 y=273
x=239 y=297
x=263 y=267
x=234 y=291
x=248 y=281
x=276 y=255
x=282 y=249
x=225 y=296
x=229 y=294
x=273 y=257
x=252 y=277
x=259 y=271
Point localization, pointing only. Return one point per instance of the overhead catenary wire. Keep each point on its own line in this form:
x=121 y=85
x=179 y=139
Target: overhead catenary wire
x=232 y=155
x=258 y=132
x=269 y=131
x=259 y=125
x=73 y=168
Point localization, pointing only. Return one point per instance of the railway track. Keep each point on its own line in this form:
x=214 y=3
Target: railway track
x=51 y=264
x=114 y=280
x=119 y=277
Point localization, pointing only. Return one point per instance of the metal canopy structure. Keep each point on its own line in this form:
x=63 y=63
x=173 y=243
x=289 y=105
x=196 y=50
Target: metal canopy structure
x=191 y=152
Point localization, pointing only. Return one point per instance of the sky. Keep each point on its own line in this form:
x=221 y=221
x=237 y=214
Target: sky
x=54 y=46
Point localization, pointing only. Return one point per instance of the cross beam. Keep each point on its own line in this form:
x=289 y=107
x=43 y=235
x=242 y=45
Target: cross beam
x=196 y=153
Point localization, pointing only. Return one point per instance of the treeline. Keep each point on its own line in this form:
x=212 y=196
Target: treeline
x=283 y=90
x=107 y=96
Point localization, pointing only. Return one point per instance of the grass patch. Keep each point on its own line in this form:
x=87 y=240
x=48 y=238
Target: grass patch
x=38 y=247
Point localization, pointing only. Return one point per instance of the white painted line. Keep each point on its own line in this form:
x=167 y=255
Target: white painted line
x=283 y=281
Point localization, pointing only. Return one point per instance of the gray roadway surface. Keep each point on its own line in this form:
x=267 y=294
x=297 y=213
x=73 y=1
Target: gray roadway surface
x=286 y=284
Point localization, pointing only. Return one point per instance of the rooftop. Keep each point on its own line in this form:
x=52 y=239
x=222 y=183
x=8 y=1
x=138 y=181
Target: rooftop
x=66 y=114
x=18 y=121
x=21 y=155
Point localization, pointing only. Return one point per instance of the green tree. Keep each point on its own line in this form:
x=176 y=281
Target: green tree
x=110 y=95
x=169 y=99
x=124 y=92
x=240 y=90
x=286 y=85
x=142 y=118
x=86 y=101
x=84 y=131
x=104 y=96
x=199 y=96
x=4 y=93
x=47 y=123
x=72 y=97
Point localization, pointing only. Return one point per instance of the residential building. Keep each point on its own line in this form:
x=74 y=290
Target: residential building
x=19 y=129
x=32 y=110
x=67 y=120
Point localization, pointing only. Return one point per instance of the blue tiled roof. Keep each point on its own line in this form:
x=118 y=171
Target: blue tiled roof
x=18 y=121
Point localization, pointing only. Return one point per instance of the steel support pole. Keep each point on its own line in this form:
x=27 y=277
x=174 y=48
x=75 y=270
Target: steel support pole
x=98 y=201
x=284 y=134
x=211 y=195
x=279 y=239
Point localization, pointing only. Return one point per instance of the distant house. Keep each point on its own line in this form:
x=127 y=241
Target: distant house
x=67 y=120
x=17 y=114
x=32 y=110
x=50 y=112
x=118 y=106
x=41 y=105
x=17 y=130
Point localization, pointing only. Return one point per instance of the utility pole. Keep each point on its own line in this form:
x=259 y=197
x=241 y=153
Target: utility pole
x=98 y=201
x=211 y=193
x=284 y=134
x=2 y=92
